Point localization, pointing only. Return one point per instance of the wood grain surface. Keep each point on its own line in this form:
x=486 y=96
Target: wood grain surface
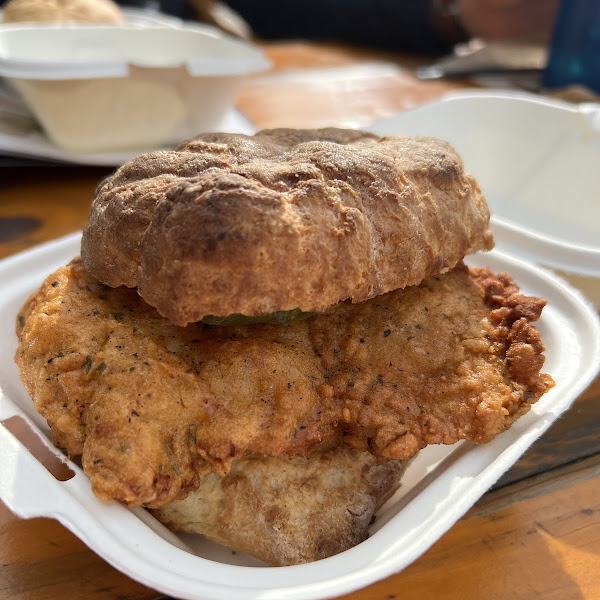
x=535 y=535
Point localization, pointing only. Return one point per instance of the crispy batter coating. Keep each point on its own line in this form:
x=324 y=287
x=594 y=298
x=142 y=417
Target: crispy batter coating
x=288 y=511
x=432 y=364
x=151 y=406
x=281 y=220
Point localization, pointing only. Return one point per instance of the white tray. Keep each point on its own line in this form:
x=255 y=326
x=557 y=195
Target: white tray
x=441 y=484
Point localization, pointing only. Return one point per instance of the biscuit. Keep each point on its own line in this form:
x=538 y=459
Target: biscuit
x=288 y=511
x=281 y=220
x=62 y=11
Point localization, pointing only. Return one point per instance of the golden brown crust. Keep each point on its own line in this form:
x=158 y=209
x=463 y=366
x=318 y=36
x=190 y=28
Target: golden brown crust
x=151 y=406
x=281 y=220
x=431 y=364
x=288 y=511
x=62 y=11
x=511 y=316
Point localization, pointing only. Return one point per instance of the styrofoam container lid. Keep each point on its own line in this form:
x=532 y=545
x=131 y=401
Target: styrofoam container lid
x=147 y=17
x=89 y=52
x=537 y=162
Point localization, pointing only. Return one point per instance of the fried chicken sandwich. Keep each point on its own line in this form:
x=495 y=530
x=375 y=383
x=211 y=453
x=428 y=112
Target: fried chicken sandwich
x=263 y=330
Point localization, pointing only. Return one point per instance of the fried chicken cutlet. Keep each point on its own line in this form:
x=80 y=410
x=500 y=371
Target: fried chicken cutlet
x=150 y=406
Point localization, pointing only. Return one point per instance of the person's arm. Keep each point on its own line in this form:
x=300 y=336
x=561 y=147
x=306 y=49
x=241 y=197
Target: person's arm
x=410 y=25
x=507 y=19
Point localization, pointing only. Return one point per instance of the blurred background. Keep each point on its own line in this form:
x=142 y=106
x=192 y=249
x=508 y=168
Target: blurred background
x=354 y=61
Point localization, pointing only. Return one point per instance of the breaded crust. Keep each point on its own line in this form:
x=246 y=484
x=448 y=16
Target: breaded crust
x=151 y=407
x=288 y=511
x=281 y=220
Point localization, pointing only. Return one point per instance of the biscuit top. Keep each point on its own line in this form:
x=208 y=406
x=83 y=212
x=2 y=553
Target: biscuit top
x=284 y=219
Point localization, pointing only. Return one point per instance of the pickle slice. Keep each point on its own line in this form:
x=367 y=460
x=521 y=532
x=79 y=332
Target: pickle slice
x=280 y=317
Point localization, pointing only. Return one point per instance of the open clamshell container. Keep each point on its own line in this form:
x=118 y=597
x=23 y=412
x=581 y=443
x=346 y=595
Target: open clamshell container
x=439 y=486
x=100 y=88
x=536 y=161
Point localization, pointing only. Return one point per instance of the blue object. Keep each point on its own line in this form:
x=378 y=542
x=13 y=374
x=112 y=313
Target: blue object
x=575 y=47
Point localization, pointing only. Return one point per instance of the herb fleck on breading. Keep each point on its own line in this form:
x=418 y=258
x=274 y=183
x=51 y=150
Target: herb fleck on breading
x=87 y=365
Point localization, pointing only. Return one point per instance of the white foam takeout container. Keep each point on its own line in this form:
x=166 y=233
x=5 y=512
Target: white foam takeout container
x=134 y=16
x=440 y=485
x=106 y=88
x=537 y=162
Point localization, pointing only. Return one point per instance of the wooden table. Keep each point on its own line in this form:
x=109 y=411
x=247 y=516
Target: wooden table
x=535 y=535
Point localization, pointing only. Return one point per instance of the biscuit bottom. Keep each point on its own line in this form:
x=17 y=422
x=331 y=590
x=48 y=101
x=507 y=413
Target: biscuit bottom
x=288 y=511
